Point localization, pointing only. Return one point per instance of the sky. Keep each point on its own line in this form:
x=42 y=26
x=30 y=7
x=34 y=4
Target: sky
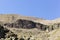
x=46 y=9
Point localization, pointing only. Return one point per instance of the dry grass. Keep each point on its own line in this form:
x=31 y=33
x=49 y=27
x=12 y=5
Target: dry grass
x=35 y=33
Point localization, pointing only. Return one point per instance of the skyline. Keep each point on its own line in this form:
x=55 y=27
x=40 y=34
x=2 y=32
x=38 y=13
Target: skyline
x=47 y=9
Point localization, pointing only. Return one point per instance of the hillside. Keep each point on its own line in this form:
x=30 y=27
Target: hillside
x=29 y=28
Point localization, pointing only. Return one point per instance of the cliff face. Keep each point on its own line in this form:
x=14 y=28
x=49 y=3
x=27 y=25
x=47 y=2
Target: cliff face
x=18 y=26
x=28 y=24
x=18 y=21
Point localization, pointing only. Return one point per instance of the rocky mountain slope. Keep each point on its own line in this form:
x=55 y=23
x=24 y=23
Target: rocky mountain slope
x=28 y=28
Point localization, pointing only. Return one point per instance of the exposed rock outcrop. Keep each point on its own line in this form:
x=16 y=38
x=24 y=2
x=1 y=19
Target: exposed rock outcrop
x=22 y=27
x=26 y=24
x=19 y=21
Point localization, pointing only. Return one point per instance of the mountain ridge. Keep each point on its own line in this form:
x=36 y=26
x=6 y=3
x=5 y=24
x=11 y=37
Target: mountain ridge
x=11 y=17
x=26 y=27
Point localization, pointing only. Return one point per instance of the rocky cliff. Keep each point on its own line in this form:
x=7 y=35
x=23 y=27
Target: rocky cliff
x=18 y=26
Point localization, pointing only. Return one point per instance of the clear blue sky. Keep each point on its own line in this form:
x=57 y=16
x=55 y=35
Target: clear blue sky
x=47 y=9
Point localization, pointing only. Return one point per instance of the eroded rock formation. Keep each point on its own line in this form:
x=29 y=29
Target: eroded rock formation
x=26 y=24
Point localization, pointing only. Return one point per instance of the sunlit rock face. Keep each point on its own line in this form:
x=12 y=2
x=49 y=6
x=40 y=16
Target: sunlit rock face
x=54 y=26
x=41 y=26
